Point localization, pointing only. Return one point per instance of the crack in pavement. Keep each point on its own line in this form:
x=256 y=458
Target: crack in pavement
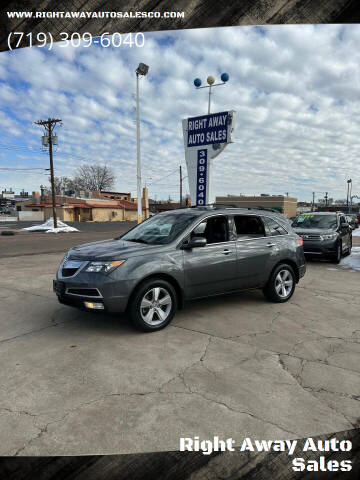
x=159 y=391
x=323 y=294
x=275 y=352
x=17 y=290
x=298 y=378
x=54 y=323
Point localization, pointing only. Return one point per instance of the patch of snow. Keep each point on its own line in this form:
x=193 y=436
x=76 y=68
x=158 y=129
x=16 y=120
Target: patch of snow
x=356 y=232
x=352 y=261
x=48 y=227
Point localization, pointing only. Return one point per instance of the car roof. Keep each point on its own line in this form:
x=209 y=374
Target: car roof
x=323 y=213
x=220 y=209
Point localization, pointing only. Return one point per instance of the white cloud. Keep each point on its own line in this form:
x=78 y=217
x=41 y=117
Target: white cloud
x=295 y=89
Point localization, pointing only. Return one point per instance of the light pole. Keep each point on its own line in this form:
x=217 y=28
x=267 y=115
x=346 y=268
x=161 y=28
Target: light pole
x=349 y=182
x=142 y=69
x=211 y=83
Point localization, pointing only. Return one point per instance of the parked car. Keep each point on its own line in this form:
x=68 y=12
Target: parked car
x=325 y=234
x=176 y=256
x=352 y=220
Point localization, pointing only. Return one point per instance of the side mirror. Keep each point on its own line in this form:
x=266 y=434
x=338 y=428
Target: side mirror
x=194 y=243
x=344 y=225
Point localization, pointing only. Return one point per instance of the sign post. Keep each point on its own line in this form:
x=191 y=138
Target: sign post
x=205 y=137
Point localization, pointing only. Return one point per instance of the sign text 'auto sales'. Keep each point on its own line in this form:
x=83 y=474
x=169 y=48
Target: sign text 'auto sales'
x=207 y=129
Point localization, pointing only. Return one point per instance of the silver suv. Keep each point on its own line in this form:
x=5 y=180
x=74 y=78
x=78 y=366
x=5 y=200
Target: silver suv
x=176 y=256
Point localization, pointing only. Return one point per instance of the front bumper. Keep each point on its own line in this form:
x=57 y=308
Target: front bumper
x=325 y=247
x=114 y=295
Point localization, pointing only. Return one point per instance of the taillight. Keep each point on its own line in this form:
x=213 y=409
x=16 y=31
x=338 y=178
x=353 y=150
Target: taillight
x=301 y=241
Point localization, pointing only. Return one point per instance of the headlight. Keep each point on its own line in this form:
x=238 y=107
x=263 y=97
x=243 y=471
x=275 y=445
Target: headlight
x=331 y=236
x=103 y=267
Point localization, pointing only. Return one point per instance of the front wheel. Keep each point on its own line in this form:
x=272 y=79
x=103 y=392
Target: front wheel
x=153 y=305
x=338 y=254
x=281 y=284
x=348 y=251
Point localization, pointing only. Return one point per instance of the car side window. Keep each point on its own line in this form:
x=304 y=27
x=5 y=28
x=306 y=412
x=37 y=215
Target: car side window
x=273 y=227
x=249 y=226
x=214 y=229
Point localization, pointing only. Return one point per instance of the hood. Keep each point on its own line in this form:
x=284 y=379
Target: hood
x=108 y=250
x=313 y=231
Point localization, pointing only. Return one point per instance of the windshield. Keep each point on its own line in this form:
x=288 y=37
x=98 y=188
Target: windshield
x=315 y=221
x=160 y=229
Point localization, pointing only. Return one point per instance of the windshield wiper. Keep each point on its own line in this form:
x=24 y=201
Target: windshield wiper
x=137 y=240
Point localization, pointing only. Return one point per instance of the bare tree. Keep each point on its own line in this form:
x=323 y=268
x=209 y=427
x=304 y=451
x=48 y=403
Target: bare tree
x=94 y=177
x=62 y=185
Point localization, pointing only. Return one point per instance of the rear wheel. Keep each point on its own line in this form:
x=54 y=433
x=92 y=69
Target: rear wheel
x=154 y=305
x=281 y=284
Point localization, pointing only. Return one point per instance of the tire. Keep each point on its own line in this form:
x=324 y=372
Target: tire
x=348 y=251
x=338 y=255
x=151 y=298
x=276 y=290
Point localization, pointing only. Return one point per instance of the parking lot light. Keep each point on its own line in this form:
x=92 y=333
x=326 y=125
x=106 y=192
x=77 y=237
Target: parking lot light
x=142 y=69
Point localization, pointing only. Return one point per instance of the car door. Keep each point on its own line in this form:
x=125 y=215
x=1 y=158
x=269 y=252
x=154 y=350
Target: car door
x=253 y=251
x=211 y=269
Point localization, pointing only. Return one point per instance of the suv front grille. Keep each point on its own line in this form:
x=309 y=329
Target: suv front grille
x=311 y=238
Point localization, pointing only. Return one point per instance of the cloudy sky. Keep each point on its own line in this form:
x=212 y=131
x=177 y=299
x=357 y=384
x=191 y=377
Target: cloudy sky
x=296 y=90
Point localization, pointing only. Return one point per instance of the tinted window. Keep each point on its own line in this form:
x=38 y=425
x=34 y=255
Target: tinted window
x=273 y=227
x=214 y=229
x=249 y=226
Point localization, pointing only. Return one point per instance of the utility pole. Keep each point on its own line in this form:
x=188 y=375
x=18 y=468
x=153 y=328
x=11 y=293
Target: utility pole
x=313 y=202
x=181 y=184
x=49 y=126
x=326 y=199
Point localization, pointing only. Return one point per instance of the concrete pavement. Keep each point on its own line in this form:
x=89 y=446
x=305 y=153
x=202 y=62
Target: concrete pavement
x=77 y=383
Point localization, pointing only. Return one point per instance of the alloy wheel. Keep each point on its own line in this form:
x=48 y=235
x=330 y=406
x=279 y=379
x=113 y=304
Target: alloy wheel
x=155 y=306
x=284 y=283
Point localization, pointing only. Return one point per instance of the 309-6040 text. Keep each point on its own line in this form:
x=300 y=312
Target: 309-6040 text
x=85 y=40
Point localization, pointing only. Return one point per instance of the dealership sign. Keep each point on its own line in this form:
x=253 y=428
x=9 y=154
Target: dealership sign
x=207 y=130
x=205 y=137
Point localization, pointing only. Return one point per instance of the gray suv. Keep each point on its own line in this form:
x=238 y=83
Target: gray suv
x=151 y=270
x=325 y=234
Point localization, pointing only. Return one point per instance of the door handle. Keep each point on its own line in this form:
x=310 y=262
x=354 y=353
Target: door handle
x=271 y=244
x=226 y=252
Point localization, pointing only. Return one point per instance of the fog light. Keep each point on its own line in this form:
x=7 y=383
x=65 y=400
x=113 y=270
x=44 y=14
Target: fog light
x=94 y=305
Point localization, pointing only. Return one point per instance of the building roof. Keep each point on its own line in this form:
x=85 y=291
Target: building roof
x=115 y=193
x=89 y=204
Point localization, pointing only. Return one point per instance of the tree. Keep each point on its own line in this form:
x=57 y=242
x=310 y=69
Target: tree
x=87 y=177
x=62 y=185
x=94 y=177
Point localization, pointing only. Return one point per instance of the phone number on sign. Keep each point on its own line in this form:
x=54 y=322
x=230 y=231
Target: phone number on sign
x=85 y=40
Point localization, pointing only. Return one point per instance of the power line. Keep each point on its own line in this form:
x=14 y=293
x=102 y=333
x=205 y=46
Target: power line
x=23 y=169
